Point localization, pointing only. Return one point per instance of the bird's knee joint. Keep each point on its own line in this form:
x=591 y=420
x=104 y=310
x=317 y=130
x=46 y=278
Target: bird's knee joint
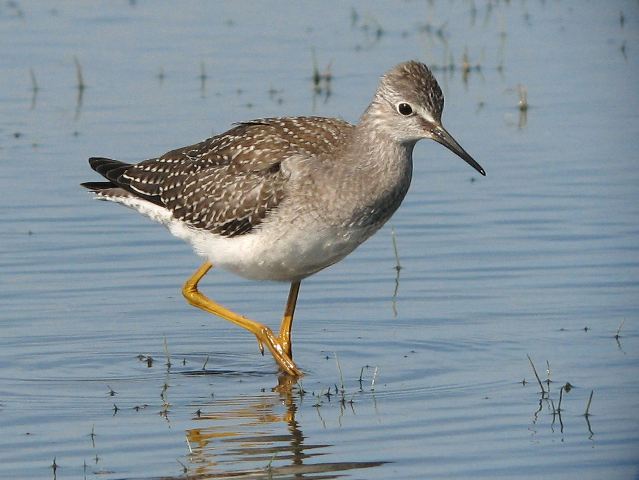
x=190 y=291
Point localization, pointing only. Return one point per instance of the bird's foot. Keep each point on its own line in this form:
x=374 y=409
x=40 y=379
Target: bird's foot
x=279 y=349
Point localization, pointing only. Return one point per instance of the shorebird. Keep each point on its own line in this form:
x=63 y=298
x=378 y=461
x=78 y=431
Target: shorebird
x=283 y=198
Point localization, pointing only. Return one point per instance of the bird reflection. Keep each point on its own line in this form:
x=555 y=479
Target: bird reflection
x=259 y=437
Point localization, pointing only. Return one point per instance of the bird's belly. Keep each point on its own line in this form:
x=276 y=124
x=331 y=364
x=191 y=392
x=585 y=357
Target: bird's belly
x=277 y=254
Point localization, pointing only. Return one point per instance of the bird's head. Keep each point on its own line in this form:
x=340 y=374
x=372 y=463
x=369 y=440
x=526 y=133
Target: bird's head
x=408 y=106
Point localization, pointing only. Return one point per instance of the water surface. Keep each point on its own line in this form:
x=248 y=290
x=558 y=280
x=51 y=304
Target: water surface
x=418 y=375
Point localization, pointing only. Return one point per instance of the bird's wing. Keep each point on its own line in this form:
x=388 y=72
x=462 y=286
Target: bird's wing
x=229 y=183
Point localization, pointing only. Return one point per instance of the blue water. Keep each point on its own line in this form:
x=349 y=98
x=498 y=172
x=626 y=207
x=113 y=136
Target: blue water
x=538 y=258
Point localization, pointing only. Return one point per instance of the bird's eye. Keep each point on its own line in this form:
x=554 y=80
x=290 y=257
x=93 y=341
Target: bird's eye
x=404 y=108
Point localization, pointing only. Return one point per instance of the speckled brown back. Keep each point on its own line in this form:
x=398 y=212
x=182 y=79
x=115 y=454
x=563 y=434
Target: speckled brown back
x=227 y=184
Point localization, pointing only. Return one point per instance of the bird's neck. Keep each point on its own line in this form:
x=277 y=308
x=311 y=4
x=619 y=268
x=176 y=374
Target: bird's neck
x=379 y=173
x=379 y=145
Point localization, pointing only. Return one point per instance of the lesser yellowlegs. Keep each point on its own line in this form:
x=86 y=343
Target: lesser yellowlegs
x=283 y=198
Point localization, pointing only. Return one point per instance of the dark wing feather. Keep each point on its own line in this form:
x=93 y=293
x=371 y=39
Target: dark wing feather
x=229 y=183
x=114 y=171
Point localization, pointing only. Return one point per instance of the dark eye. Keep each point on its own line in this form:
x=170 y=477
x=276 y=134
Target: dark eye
x=404 y=109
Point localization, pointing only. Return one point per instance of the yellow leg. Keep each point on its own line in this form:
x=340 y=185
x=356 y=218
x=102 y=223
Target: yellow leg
x=263 y=333
x=287 y=320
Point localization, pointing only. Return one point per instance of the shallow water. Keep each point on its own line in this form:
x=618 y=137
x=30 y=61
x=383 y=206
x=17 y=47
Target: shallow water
x=418 y=375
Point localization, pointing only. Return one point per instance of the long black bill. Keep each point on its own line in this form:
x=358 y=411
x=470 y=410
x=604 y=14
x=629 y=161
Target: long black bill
x=440 y=135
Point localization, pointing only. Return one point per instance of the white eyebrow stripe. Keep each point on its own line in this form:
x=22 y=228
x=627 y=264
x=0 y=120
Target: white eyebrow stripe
x=425 y=114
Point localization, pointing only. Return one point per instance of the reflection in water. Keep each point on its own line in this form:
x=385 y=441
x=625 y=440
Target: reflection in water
x=80 y=86
x=258 y=436
x=523 y=106
x=555 y=411
x=398 y=268
x=34 y=88
x=203 y=78
x=321 y=82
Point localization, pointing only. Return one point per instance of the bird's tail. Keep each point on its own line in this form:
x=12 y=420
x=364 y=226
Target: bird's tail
x=112 y=171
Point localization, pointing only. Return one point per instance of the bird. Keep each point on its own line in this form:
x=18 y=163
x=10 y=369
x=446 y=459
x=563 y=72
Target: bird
x=282 y=198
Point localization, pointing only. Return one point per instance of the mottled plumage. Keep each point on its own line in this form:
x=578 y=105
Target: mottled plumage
x=226 y=184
